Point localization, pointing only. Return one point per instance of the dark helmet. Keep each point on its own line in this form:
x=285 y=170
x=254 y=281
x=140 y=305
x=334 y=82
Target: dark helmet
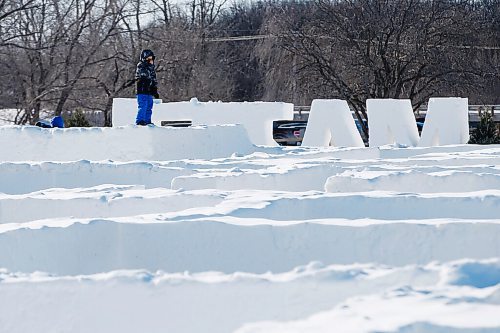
x=147 y=53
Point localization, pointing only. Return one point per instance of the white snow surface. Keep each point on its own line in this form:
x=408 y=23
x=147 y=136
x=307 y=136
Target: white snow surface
x=112 y=231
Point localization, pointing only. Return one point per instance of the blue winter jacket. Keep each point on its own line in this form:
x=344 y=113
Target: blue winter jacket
x=57 y=122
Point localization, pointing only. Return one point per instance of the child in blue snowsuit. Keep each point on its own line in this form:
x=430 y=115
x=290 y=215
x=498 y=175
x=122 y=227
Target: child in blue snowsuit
x=147 y=87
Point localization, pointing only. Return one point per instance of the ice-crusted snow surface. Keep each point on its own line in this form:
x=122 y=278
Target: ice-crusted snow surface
x=267 y=240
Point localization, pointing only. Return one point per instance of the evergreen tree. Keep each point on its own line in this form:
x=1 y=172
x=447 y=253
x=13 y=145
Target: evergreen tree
x=77 y=119
x=486 y=132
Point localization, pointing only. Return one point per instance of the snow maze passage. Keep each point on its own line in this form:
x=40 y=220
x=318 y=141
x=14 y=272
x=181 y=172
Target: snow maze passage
x=265 y=239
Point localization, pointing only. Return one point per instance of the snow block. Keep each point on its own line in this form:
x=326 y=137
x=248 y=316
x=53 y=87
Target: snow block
x=446 y=122
x=391 y=121
x=128 y=143
x=256 y=117
x=331 y=124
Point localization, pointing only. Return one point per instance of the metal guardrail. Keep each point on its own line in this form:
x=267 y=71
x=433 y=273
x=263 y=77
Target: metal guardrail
x=475 y=112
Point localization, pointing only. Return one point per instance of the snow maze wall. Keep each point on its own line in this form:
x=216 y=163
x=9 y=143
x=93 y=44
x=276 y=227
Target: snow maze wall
x=104 y=235
x=331 y=122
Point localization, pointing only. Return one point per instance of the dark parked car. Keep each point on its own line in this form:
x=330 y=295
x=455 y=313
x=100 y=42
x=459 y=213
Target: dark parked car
x=289 y=133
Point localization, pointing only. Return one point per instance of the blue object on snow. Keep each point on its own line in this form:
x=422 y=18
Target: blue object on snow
x=145 y=109
x=57 y=122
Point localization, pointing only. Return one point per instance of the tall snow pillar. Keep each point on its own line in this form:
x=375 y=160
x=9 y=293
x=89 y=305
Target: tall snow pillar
x=391 y=121
x=331 y=124
x=446 y=122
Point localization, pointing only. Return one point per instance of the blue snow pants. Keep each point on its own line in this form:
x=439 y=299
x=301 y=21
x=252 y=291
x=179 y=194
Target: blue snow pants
x=145 y=103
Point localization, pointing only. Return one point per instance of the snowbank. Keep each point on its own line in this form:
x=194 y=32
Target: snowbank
x=113 y=301
x=401 y=310
x=129 y=143
x=331 y=124
x=256 y=117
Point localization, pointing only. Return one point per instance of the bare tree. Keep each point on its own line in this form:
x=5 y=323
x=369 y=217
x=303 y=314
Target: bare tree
x=61 y=55
x=31 y=55
x=381 y=49
x=89 y=26
x=166 y=9
x=8 y=12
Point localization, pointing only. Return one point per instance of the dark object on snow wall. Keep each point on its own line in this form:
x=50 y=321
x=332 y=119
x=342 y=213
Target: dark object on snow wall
x=56 y=122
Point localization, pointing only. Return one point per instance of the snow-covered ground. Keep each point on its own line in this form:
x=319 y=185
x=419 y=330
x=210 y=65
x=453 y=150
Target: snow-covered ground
x=244 y=238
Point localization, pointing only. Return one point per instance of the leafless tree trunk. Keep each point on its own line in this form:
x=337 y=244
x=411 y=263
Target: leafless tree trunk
x=96 y=24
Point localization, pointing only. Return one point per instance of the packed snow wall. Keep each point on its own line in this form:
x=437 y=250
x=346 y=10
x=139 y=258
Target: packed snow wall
x=256 y=117
x=331 y=124
x=128 y=143
x=392 y=121
x=446 y=122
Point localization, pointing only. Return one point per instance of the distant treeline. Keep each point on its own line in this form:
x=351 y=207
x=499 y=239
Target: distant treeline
x=80 y=54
